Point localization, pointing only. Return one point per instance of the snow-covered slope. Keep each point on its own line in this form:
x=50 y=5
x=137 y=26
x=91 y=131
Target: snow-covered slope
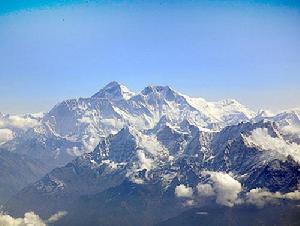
x=82 y=122
x=115 y=106
x=288 y=122
x=286 y=118
x=76 y=126
x=226 y=112
x=115 y=92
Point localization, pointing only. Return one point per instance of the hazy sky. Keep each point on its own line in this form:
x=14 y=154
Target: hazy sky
x=53 y=50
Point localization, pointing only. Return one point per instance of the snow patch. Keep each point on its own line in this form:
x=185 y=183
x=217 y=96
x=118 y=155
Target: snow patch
x=261 y=138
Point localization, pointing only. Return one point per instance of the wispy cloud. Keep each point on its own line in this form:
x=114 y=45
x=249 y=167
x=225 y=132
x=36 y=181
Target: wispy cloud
x=56 y=217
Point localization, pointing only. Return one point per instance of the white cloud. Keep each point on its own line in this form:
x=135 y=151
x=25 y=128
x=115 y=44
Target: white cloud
x=57 y=216
x=261 y=138
x=205 y=190
x=144 y=162
x=260 y=197
x=6 y=135
x=295 y=195
x=114 y=123
x=91 y=142
x=110 y=163
x=291 y=129
x=225 y=187
x=183 y=191
x=20 y=122
x=189 y=202
x=227 y=190
x=29 y=219
x=86 y=120
x=75 y=151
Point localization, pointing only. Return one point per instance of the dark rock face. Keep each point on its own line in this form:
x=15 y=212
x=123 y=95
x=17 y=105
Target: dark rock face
x=16 y=172
x=277 y=175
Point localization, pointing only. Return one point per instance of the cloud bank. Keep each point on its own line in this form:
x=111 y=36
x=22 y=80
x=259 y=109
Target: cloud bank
x=222 y=186
x=19 y=122
x=227 y=191
x=29 y=219
x=260 y=197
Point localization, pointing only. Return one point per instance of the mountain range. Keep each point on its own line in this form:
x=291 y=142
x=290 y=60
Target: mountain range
x=151 y=158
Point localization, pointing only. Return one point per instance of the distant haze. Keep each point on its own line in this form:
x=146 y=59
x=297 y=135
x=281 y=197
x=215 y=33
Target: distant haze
x=246 y=50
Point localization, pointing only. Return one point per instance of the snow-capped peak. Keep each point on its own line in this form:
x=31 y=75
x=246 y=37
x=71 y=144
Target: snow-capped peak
x=84 y=121
x=165 y=92
x=157 y=89
x=263 y=114
x=114 y=91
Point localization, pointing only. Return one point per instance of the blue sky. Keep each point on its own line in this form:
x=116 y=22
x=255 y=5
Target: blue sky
x=53 y=50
